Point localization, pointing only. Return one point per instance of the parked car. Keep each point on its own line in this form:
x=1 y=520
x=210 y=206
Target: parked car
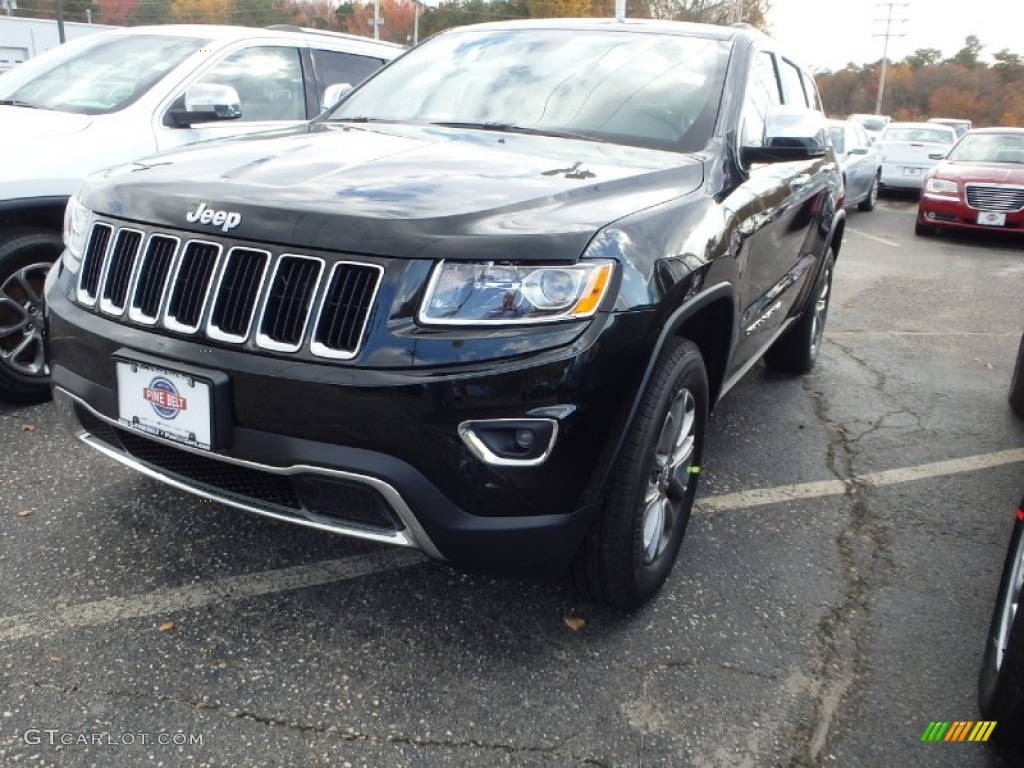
x=1016 y=395
x=1001 y=682
x=483 y=308
x=859 y=161
x=910 y=150
x=872 y=124
x=958 y=124
x=978 y=186
x=114 y=96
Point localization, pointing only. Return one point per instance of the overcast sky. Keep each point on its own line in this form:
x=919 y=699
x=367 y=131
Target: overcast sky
x=827 y=34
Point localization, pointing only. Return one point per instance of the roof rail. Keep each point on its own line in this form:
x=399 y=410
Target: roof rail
x=329 y=33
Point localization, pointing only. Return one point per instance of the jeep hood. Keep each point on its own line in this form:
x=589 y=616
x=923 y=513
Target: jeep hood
x=407 y=191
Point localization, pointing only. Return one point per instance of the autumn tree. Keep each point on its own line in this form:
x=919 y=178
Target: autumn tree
x=968 y=56
x=201 y=11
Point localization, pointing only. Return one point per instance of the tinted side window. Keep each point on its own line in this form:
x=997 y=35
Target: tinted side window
x=335 y=67
x=791 y=84
x=762 y=92
x=268 y=80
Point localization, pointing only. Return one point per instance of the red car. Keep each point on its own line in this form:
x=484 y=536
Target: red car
x=978 y=185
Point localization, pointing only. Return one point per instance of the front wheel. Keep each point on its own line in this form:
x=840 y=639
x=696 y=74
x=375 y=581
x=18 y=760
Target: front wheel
x=797 y=349
x=26 y=255
x=1001 y=682
x=1016 y=396
x=631 y=549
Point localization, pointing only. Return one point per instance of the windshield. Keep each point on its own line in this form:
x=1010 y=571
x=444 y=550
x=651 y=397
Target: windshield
x=97 y=74
x=990 y=148
x=931 y=135
x=659 y=91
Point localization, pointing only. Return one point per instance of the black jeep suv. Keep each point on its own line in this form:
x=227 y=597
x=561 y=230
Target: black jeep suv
x=483 y=308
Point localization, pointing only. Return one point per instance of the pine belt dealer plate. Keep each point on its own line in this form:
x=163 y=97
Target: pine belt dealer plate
x=167 y=404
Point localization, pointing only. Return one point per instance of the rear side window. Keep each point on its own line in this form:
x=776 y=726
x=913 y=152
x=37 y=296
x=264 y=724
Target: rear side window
x=334 y=67
x=268 y=80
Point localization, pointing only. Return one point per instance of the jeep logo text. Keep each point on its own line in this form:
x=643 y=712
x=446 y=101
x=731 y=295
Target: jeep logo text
x=224 y=219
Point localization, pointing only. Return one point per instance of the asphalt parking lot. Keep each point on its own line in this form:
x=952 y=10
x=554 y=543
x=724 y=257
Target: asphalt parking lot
x=832 y=598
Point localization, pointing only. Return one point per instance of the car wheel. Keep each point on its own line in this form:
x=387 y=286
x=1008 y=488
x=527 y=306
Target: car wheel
x=26 y=255
x=797 y=349
x=1001 y=682
x=923 y=230
x=868 y=203
x=631 y=549
x=1017 y=383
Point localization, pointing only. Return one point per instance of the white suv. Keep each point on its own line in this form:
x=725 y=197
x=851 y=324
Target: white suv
x=113 y=97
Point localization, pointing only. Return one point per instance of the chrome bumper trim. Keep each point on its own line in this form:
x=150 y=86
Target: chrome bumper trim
x=412 y=536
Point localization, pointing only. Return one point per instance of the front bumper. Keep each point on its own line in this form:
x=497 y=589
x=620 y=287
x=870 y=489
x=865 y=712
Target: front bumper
x=369 y=453
x=942 y=212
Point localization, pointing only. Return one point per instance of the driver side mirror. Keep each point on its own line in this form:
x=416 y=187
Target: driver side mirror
x=859 y=151
x=790 y=133
x=333 y=94
x=204 y=103
x=936 y=155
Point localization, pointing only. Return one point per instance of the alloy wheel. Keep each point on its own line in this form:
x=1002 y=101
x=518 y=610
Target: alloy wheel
x=22 y=331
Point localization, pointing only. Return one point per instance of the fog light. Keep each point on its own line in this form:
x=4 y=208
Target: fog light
x=510 y=442
x=930 y=215
x=524 y=439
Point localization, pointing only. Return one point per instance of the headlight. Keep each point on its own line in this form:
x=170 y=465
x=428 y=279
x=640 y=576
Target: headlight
x=941 y=186
x=76 y=230
x=490 y=293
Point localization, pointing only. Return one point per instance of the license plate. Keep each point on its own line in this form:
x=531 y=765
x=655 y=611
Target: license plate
x=911 y=171
x=992 y=218
x=171 y=405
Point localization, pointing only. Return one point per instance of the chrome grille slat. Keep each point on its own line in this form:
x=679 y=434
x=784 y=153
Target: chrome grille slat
x=288 y=303
x=990 y=197
x=92 y=263
x=190 y=286
x=237 y=291
x=151 y=280
x=118 y=269
x=345 y=309
x=282 y=302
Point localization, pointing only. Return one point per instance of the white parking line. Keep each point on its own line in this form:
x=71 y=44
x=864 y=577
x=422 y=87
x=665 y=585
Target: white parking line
x=877 y=239
x=169 y=601
x=166 y=602
x=782 y=493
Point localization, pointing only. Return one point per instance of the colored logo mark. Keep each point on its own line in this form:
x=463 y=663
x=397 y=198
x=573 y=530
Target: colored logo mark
x=164 y=398
x=958 y=730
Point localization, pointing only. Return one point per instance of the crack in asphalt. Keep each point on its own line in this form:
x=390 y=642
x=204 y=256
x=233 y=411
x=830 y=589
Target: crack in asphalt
x=843 y=632
x=349 y=734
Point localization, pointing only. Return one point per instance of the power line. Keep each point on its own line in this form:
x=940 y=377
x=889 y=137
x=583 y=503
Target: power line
x=888 y=19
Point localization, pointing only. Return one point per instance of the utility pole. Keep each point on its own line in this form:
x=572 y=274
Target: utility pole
x=888 y=7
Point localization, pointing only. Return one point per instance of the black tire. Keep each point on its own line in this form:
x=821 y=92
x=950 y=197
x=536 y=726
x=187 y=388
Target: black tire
x=1001 y=682
x=797 y=349
x=923 y=230
x=1016 y=396
x=868 y=203
x=25 y=256
x=630 y=551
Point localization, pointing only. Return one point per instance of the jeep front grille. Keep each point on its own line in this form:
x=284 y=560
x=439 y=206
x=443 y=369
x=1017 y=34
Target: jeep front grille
x=234 y=295
x=987 y=197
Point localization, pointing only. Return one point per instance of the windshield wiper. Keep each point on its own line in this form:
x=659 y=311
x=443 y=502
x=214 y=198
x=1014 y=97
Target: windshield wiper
x=511 y=128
